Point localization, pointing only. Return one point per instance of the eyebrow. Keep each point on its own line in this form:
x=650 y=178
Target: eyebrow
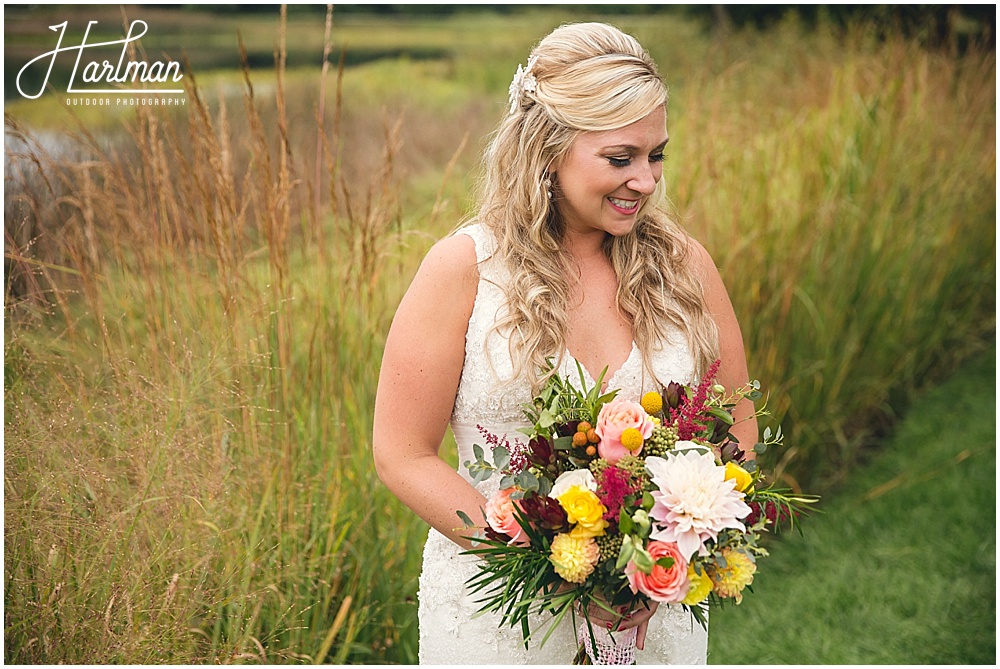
x=635 y=149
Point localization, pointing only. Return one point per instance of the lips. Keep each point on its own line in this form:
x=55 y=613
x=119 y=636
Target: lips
x=623 y=206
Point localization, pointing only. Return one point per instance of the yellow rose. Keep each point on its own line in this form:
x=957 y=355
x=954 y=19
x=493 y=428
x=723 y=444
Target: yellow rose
x=584 y=509
x=742 y=477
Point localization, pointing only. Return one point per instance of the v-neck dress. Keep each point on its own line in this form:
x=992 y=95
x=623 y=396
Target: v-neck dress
x=489 y=401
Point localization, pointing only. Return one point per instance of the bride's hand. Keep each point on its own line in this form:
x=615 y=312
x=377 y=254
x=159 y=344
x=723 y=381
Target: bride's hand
x=638 y=617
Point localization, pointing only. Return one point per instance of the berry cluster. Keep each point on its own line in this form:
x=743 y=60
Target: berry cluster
x=586 y=437
x=661 y=441
x=610 y=545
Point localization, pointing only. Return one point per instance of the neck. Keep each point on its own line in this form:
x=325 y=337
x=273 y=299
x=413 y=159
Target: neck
x=584 y=247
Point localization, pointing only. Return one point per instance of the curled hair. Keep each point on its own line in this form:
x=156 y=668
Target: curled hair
x=589 y=77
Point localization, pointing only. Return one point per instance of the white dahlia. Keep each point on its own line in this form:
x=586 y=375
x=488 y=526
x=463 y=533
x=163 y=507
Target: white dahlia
x=695 y=501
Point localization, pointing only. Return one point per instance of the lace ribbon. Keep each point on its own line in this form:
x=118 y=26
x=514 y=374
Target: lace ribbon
x=612 y=647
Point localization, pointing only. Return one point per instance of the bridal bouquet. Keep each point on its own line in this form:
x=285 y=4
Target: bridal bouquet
x=614 y=503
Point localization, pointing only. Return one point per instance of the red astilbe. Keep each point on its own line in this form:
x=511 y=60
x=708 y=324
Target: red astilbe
x=518 y=452
x=775 y=513
x=612 y=489
x=686 y=415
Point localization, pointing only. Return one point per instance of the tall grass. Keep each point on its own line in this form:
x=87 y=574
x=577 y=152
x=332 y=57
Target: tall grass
x=846 y=187
x=195 y=315
x=187 y=441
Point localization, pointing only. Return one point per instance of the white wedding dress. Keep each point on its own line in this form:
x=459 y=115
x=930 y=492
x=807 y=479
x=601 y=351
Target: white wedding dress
x=450 y=631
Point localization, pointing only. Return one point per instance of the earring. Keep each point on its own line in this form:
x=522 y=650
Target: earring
x=547 y=185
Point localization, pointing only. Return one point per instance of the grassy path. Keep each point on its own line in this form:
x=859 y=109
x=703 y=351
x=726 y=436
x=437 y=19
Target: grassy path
x=900 y=568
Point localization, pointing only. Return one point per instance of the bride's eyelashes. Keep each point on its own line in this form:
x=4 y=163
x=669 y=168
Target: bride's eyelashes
x=626 y=161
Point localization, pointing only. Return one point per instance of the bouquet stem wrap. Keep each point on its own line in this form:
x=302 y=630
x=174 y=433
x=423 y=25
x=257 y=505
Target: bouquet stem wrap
x=612 y=647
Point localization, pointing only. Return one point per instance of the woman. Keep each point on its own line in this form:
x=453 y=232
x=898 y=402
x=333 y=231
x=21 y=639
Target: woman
x=567 y=258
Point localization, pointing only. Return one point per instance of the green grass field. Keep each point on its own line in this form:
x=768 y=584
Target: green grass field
x=900 y=566
x=196 y=304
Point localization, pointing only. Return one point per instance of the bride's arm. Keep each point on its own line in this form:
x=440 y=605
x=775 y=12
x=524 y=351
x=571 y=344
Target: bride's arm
x=421 y=368
x=733 y=369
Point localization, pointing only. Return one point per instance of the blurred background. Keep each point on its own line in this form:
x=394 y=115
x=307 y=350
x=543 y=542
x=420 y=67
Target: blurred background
x=197 y=295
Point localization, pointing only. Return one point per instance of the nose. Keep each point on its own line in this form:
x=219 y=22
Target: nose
x=643 y=180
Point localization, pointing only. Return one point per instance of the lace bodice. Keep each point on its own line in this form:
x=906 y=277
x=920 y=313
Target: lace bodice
x=489 y=400
x=487 y=397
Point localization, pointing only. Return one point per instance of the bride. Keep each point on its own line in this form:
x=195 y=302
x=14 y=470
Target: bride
x=567 y=257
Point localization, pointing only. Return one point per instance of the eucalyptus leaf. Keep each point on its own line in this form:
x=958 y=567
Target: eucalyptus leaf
x=526 y=481
x=544 y=487
x=501 y=457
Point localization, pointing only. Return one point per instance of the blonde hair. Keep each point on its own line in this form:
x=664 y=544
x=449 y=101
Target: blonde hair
x=589 y=77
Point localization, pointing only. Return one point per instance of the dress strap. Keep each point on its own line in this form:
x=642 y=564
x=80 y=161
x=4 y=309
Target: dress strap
x=483 y=238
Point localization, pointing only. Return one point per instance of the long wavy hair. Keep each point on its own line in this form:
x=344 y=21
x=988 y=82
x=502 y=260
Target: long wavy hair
x=589 y=77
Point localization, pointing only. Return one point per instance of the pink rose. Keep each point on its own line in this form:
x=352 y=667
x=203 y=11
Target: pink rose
x=664 y=584
x=500 y=516
x=615 y=417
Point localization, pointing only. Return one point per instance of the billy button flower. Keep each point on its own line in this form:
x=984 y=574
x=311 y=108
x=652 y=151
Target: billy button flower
x=632 y=439
x=652 y=403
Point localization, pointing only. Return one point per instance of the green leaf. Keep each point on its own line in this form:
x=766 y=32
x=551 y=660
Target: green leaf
x=643 y=560
x=501 y=457
x=465 y=518
x=545 y=419
x=544 y=487
x=722 y=415
x=562 y=443
x=625 y=553
x=626 y=524
x=526 y=481
x=665 y=562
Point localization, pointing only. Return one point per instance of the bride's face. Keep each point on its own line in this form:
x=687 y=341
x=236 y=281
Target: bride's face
x=606 y=176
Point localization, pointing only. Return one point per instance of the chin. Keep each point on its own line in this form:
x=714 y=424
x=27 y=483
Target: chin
x=622 y=229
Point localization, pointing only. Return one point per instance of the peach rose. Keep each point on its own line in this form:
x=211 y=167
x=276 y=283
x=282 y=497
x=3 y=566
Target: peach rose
x=615 y=417
x=663 y=584
x=500 y=516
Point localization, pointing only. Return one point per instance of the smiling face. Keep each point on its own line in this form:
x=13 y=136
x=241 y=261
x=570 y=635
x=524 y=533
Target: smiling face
x=606 y=176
